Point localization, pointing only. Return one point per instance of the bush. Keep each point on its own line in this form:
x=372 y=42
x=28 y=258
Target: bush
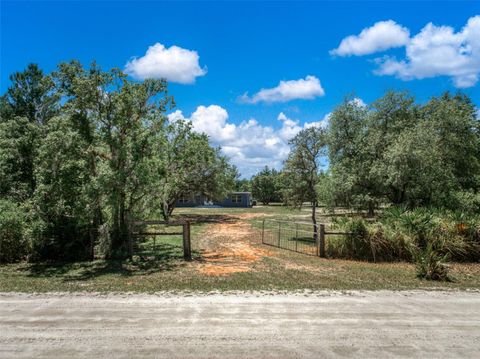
x=430 y=264
x=13 y=245
x=357 y=244
x=369 y=241
x=455 y=235
x=61 y=240
x=466 y=201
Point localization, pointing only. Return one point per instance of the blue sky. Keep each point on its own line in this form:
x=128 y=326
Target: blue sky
x=221 y=51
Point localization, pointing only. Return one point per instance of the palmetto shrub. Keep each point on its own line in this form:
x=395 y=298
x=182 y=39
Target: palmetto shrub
x=430 y=264
x=455 y=236
x=368 y=241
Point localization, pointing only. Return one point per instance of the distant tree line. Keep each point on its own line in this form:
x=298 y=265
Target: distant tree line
x=395 y=151
x=83 y=152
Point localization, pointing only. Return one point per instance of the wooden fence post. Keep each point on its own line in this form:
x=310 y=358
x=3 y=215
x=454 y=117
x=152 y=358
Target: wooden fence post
x=187 y=249
x=321 y=242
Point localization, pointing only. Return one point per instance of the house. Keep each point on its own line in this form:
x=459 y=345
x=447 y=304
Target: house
x=234 y=199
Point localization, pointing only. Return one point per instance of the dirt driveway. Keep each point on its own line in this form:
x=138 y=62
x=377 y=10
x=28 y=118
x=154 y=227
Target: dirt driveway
x=257 y=325
x=231 y=246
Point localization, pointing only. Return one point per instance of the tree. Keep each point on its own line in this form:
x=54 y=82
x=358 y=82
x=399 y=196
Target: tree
x=190 y=165
x=243 y=185
x=402 y=153
x=456 y=126
x=391 y=116
x=347 y=138
x=326 y=189
x=25 y=109
x=18 y=143
x=265 y=186
x=414 y=170
x=31 y=95
x=60 y=201
x=358 y=140
x=303 y=164
x=134 y=120
x=84 y=149
x=84 y=104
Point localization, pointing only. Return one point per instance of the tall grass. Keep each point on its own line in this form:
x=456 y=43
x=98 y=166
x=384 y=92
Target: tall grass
x=401 y=234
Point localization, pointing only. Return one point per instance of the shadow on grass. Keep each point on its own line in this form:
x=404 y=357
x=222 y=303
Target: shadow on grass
x=206 y=218
x=340 y=215
x=308 y=240
x=146 y=259
x=166 y=257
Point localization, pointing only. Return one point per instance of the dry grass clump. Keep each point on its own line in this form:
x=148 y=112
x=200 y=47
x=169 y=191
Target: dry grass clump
x=428 y=237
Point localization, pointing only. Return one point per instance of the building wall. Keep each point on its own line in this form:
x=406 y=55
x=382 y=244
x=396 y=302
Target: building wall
x=194 y=201
x=245 y=201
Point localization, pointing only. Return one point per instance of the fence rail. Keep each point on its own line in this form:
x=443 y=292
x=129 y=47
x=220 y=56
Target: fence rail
x=139 y=230
x=296 y=237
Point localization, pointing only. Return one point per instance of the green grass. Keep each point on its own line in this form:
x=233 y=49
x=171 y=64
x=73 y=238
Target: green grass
x=172 y=274
x=163 y=269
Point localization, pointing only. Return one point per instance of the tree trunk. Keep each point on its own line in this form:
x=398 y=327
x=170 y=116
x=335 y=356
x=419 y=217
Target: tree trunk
x=97 y=219
x=165 y=211
x=119 y=248
x=371 y=209
x=170 y=209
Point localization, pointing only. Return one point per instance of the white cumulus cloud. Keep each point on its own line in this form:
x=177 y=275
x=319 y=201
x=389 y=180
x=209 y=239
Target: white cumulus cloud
x=305 y=89
x=383 y=35
x=434 y=51
x=439 y=51
x=174 y=64
x=250 y=145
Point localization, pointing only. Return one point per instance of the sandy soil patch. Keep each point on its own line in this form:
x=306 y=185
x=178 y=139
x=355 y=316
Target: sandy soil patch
x=232 y=248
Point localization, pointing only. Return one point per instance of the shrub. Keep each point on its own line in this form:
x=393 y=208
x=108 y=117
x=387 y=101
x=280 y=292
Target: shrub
x=387 y=244
x=13 y=245
x=357 y=243
x=455 y=235
x=466 y=201
x=430 y=264
x=369 y=241
x=418 y=224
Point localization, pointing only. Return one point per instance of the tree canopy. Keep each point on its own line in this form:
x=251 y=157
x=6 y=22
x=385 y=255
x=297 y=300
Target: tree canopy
x=266 y=186
x=401 y=152
x=303 y=168
x=86 y=151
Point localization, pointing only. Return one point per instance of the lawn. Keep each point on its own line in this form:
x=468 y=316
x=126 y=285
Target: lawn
x=228 y=255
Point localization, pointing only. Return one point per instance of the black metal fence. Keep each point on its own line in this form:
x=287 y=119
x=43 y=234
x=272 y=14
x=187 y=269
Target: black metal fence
x=301 y=237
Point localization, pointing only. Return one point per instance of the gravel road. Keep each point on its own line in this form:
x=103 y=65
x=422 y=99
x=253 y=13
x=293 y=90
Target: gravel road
x=379 y=324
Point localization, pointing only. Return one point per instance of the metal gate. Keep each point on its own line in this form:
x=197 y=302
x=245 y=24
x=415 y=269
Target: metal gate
x=302 y=237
